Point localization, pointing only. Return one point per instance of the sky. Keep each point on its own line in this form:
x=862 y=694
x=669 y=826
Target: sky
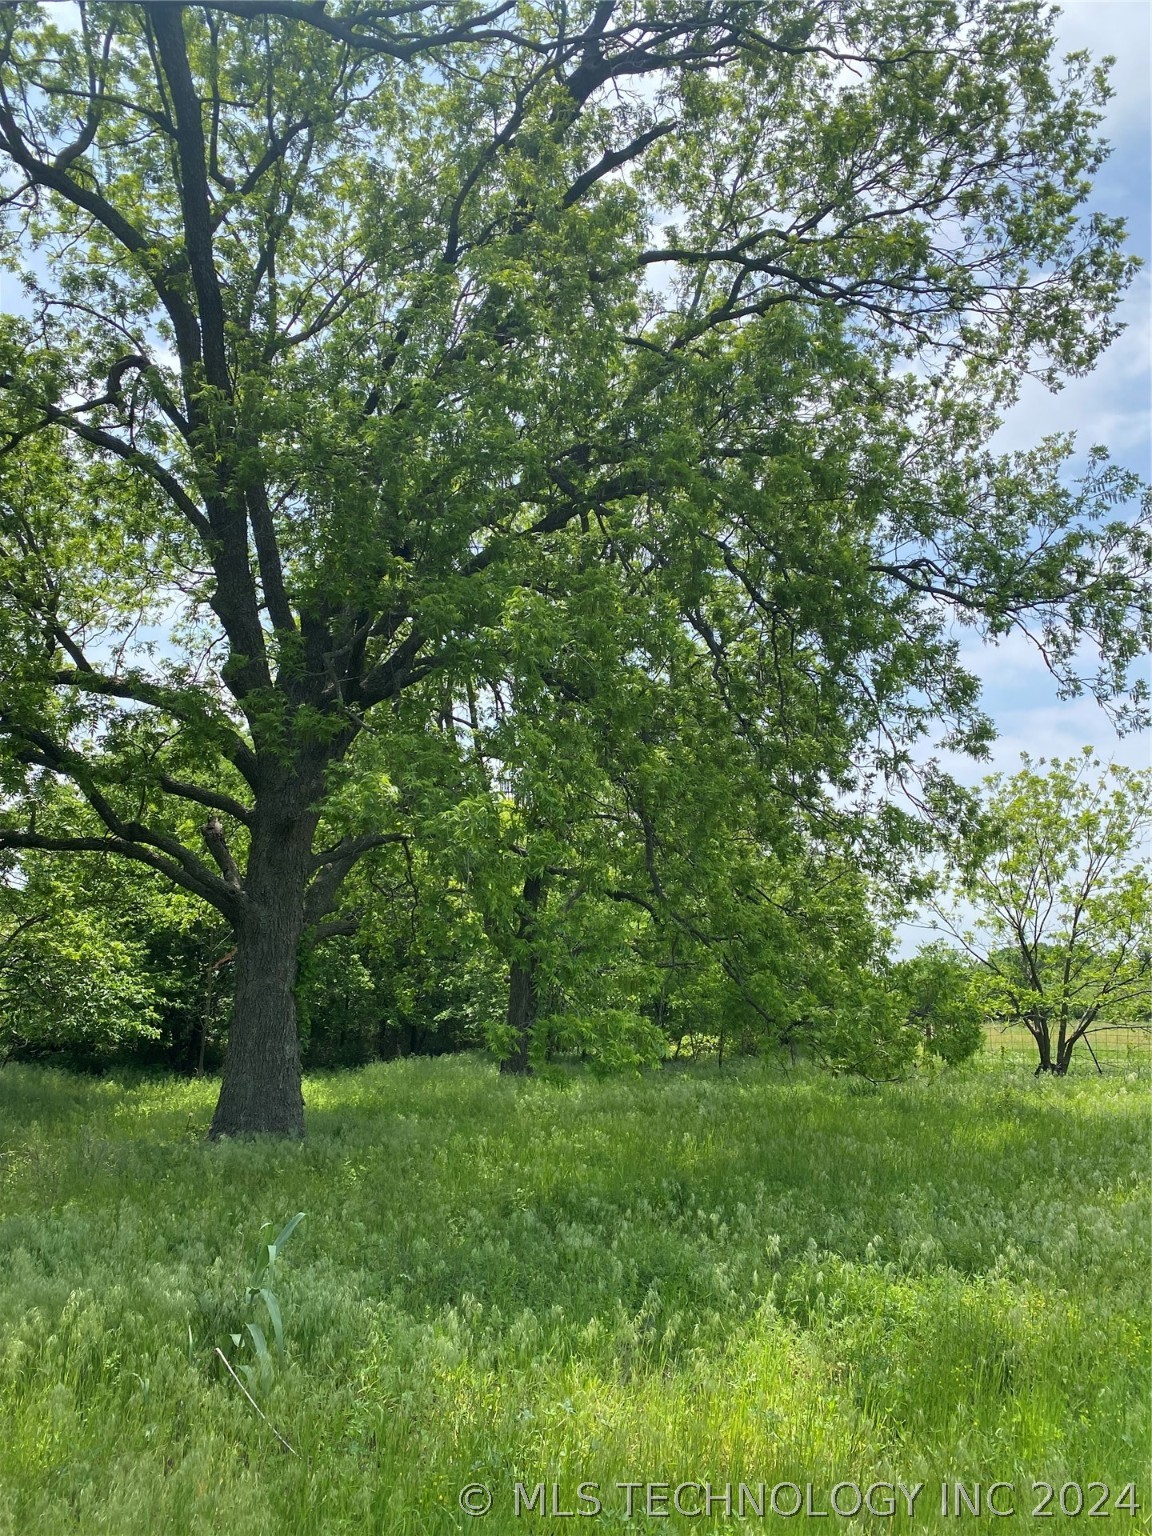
x=1111 y=406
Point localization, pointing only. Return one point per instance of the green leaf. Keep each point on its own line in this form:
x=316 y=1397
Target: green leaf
x=283 y=1235
x=260 y=1344
x=273 y=1306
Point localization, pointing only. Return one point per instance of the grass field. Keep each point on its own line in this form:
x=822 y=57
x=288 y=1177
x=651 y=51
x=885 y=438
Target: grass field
x=679 y=1278
x=1116 y=1046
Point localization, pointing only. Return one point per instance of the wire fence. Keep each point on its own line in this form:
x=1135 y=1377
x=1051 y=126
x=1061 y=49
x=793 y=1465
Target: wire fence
x=1116 y=1045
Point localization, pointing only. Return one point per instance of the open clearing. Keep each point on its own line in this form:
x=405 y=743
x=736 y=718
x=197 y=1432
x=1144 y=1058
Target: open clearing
x=674 y=1278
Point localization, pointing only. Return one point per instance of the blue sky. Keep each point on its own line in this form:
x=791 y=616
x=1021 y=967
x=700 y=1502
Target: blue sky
x=1112 y=406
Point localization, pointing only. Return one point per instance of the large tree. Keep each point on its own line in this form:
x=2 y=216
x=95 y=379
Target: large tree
x=346 y=324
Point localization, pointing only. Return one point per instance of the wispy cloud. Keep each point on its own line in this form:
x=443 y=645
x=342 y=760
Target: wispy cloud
x=1122 y=28
x=1111 y=406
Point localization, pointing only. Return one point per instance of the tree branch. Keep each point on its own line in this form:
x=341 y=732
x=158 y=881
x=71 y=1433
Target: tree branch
x=168 y=26
x=55 y=179
x=42 y=752
x=170 y=700
x=213 y=834
x=225 y=901
x=211 y=798
x=333 y=867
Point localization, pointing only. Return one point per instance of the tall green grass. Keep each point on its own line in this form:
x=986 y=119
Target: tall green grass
x=680 y=1277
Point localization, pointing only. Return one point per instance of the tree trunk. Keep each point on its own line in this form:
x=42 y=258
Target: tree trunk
x=262 y=1091
x=521 y=1013
x=1043 y=1039
x=522 y=983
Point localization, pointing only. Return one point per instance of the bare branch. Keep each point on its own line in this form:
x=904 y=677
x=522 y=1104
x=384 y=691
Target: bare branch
x=225 y=901
x=213 y=834
x=211 y=798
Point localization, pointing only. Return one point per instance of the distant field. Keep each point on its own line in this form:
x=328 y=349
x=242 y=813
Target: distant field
x=1113 y=1046
x=680 y=1278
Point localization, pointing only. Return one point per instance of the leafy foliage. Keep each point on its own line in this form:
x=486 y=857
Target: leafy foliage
x=938 y=985
x=1060 y=887
x=73 y=976
x=376 y=367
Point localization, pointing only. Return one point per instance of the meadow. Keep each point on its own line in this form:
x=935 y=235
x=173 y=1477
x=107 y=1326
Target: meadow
x=679 y=1278
x=1122 y=1045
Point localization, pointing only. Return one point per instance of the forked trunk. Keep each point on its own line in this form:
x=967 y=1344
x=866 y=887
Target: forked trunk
x=1043 y=1038
x=261 y=1092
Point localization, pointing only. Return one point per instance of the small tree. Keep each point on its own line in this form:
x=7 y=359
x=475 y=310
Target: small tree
x=1061 y=897
x=943 y=1006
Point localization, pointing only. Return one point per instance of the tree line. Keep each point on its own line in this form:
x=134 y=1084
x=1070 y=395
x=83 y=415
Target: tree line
x=1042 y=910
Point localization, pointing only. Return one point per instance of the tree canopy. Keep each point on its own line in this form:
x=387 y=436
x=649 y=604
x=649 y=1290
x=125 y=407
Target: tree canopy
x=375 y=359
x=1056 y=892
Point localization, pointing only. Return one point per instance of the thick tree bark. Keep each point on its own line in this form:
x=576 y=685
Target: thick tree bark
x=522 y=984
x=262 y=1090
x=521 y=1015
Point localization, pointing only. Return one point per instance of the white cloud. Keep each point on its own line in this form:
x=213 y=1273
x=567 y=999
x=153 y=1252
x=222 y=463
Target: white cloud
x=1055 y=729
x=1122 y=28
x=1062 y=730
x=1020 y=694
x=1112 y=405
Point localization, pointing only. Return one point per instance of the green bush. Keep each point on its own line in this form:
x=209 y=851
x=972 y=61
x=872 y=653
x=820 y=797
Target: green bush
x=942 y=1005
